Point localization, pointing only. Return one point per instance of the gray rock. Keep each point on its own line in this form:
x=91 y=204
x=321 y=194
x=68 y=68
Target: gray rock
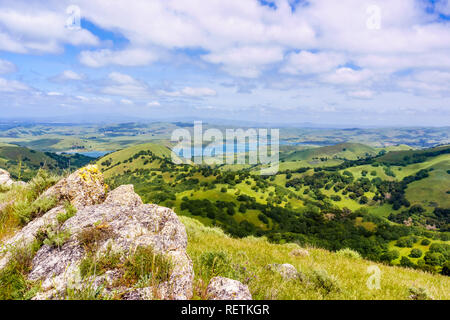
x=132 y=224
x=220 y=288
x=82 y=188
x=286 y=270
x=299 y=253
x=5 y=178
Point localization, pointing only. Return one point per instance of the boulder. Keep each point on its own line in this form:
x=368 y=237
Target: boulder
x=286 y=270
x=299 y=253
x=220 y=288
x=82 y=188
x=130 y=224
x=5 y=178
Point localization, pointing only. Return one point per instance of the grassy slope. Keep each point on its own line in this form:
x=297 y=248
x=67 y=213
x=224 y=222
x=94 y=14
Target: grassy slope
x=122 y=155
x=349 y=151
x=351 y=274
x=13 y=158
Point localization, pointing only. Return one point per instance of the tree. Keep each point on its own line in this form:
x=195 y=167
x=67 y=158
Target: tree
x=415 y=253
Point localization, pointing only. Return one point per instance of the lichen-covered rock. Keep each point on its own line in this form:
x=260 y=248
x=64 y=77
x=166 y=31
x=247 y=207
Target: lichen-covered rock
x=82 y=188
x=131 y=224
x=220 y=288
x=27 y=234
x=299 y=253
x=286 y=270
x=5 y=178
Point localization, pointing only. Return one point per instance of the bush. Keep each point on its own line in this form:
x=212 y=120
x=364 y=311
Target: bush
x=425 y=242
x=415 y=253
x=322 y=280
x=390 y=255
x=418 y=294
x=216 y=263
x=348 y=253
x=405 y=262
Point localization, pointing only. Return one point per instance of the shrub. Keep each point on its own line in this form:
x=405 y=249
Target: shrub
x=418 y=294
x=69 y=212
x=322 y=280
x=90 y=237
x=13 y=282
x=216 y=263
x=348 y=253
x=144 y=262
x=446 y=269
x=93 y=265
x=405 y=262
x=415 y=253
x=425 y=242
x=56 y=237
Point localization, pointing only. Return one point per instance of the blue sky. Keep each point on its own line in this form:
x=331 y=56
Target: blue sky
x=351 y=62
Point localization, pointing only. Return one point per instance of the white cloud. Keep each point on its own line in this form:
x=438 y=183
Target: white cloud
x=124 y=85
x=7 y=67
x=129 y=58
x=306 y=62
x=361 y=94
x=55 y=94
x=12 y=86
x=71 y=75
x=189 y=92
x=246 y=62
x=126 y=101
x=153 y=104
x=347 y=76
x=33 y=29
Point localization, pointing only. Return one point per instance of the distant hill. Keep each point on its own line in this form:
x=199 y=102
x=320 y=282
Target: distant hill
x=412 y=156
x=346 y=151
x=23 y=163
x=136 y=157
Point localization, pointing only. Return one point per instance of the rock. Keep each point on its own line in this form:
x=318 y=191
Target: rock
x=5 y=178
x=299 y=253
x=130 y=224
x=82 y=188
x=220 y=288
x=286 y=270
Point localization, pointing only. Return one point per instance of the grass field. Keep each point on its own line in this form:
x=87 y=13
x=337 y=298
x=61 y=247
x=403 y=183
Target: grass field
x=348 y=275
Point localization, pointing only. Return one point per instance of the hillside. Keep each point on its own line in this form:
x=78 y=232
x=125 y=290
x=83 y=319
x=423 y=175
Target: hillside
x=23 y=163
x=348 y=205
x=344 y=151
x=66 y=251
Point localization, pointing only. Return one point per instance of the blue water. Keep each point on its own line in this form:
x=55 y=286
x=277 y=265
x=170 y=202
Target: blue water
x=92 y=154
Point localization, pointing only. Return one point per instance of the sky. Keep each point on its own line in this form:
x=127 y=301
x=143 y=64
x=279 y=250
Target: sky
x=346 y=62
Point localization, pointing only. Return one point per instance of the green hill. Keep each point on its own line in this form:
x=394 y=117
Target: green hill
x=137 y=157
x=22 y=163
x=345 y=151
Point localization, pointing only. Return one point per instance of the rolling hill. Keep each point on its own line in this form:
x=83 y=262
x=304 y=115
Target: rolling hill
x=343 y=151
x=22 y=163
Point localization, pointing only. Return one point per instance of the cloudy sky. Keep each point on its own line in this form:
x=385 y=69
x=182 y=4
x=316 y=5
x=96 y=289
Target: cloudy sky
x=357 y=62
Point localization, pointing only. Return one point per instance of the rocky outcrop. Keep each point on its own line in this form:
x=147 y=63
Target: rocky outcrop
x=286 y=270
x=5 y=178
x=126 y=224
x=220 y=288
x=82 y=188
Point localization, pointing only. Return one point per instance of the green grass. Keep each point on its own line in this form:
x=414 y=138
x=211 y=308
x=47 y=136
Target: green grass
x=249 y=258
